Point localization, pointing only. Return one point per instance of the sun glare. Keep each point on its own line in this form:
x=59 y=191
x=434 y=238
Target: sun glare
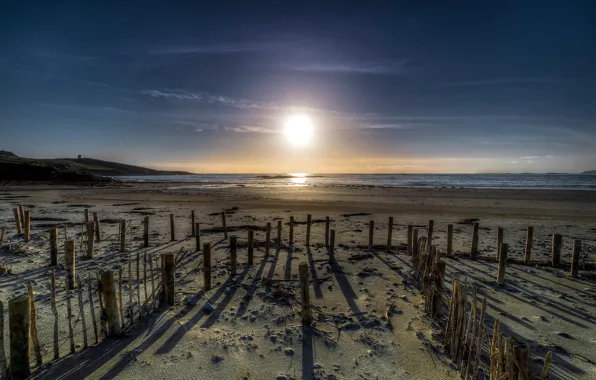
x=298 y=130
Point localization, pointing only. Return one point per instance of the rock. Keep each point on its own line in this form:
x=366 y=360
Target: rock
x=565 y=335
x=289 y=351
x=191 y=300
x=253 y=318
x=208 y=308
x=281 y=377
x=216 y=359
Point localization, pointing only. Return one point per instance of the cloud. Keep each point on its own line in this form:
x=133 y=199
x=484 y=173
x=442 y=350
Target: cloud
x=394 y=67
x=209 y=48
x=206 y=98
x=389 y=126
x=65 y=57
x=538 y=157
x=499 y=81
x=249 y=129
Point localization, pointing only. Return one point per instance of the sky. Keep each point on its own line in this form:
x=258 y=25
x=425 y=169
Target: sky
x=390 y=87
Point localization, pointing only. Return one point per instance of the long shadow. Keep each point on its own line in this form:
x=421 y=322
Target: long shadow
x=254 y=286
x=307 y=352
x=313 y=274
x=288 y=266
x=222 y=305
x=346 y=288
x=273 y=265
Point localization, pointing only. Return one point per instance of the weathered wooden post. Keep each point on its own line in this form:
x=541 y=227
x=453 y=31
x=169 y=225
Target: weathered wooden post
x=169 y=278
x=207 y=266
x=81 y=310
x=27 y=225
x=90 y=239
x=233 y=256
x=69 y=317
x=146 y=232
x=327 y=220
x=192 y=222
x=429 y=243
x=108 y=292
x=91 y=310
x=268 y=238
x=474 y=250
x=34 y=337
x=86 y=216
x=415 y=240
x=279 y=234
x=410 y=236
x=17 y=220
x=19 y=325
x=120 y=297
x=54 y=246
x=371 y=234
x=223 y=224
x=145 y=290
x=22 y=214
x=332 y=246
x=55 y=312
x=529 y=237
x=122 y=235
x=305 y=293
x=502 y=262
x=500 y=234
x=308 y=222
x=556 y=252
x=250 y=247
x=198 y=236
x=139 y=284
x=291 y=242
x=389 y=233
x=3 y=366
x=172 y=228
x=449 y=240
x=97 y=228
x=1 y=240
x=69 y=259
x=577 y=248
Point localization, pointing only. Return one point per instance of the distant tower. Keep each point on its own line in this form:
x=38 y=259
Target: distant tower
x=79 y=157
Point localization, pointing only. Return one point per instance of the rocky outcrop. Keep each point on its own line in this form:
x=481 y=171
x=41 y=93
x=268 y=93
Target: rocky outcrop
x=16 y=170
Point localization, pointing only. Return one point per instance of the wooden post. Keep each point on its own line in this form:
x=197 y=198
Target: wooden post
x=389 y=233
x=474 y=250
x=279 y=234
x=55 y=312
x=332 y=246
x=449 y=240
x=291 y=240
x=371 y=231
x=410 y=237
x=172 y=228
x=415 y=241
x=308 y=222
x=500 y=234
x=207 y=266
x=1 y=240
x=97 y=228
x=3 y=366
x=81 y=310
x=91 y=309
x=139 y=283
x=17 y=220
x=130 y=290
x=305 y=293
x=54 y=246
x=192 y=222
x=122 y=235
x=27 y=225
x=69 y=259
x=111 y=305
x=120 y=297
x=86 y=216
x=223 y=224
x=250 y=247
x=69 y=317
x=556 y=253
x=152 y=282
x=529 y=237
x=198 y=236
x=327 y=220
x=169 y=278
x=34 y=337
x=502 y=262
x=146 y=232
x=22 y=214
x=429 y=239
x=233 y=256
x=145 y=279
x=268 y=239
x=19 y=324
x=577 y=248
x=90 y=239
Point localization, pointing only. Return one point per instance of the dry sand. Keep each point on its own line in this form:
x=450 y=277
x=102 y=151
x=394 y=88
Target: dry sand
x=253 y=334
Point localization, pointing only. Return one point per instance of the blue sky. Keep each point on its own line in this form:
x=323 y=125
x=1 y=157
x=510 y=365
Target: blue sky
x=420 y=87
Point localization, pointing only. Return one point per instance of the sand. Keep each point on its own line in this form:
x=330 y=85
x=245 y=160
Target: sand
x=252 y=334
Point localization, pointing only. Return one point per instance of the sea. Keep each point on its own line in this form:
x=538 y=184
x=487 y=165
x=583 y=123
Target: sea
x=466 y=181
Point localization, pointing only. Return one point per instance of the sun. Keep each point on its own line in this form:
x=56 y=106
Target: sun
x=298 y=130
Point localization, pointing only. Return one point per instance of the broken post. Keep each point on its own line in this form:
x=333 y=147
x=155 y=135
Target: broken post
x=279 y=234
x=410 y=233
x=172 y=228
x=192 y=222
x=90 y=239
x=529 y=237
x=197 y=237
x=291 y=242
x=250 y=247
x=332 y=246
x=122 y=235
x=305 y=294
x=146 y=232
x=474 y=250
x=429 y=240
x=449 y=240
x=327 y=231
x=108 y=292
x=54 y=246
x=17 y=220
x=500 y=233
x=223 y=224
x=19 y=319
x=34 y=337
x=371 y=234
x=577 y=247
x=169 y=278
x=27 y=225
x=207 y=266
x=69 y=259
x=308 y=222
x=389 y=233
x=556 y=253
x=97 y=228
x=233 y=254
x=502 y=262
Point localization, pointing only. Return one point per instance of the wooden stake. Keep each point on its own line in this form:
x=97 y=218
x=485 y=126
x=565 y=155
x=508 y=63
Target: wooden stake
x=577 y=248
x=97 y=228
x=449 y=240
x=556 y=252
x=172 y=228
x=145 y=278
x=54 y=246
x=69 y=259
x=146 y=232
x=17 y=220
x=415 y=242
x=291 y=242
x=91 y=309
x=22 y=214
x=332 y=246
x=529 y=237
x=27 y=225
x=34 y=337
x=474 y=250
x=169 y=278
x=410 y=236
x=500 y=233
x=223 y=224
x=111 y=305
x=198 y=236
x=120 y=297
x=139 y=284
x=308 y=223
x=130 y=290
x=3 y=366
x=327 y=220
x=389 y=233
x=19 y=325
x=122 y=235
x=55 y=312
x=305 y=293
x=152 y=282
x=90 y=239
x=69 y=317
x=233 y=258
x=1 y=240
x=279 y=234
x=81 y=310
x=502 y=262
x=371 y=232
x=429 y=240
x=207 y=266
x=480 y=335
x=192 y=222
x=250 y=247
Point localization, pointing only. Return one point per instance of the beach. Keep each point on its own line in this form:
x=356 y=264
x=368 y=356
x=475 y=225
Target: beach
x=249 y=335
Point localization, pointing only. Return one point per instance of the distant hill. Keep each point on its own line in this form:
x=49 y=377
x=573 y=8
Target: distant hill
x=592 y=172
x=4 y=153
x=108 y=168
